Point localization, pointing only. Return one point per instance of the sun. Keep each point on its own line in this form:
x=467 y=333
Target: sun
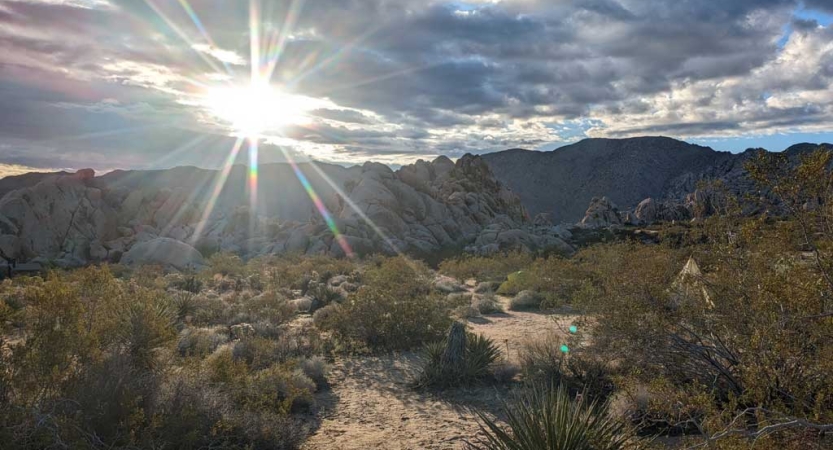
x=257 y=109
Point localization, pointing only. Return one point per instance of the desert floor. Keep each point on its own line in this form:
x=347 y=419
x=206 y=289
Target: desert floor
x=371 y=406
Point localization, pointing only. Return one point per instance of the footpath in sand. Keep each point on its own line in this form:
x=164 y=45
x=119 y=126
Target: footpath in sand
x=371 y=406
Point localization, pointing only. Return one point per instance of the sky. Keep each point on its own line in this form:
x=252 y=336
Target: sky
x=157 y=83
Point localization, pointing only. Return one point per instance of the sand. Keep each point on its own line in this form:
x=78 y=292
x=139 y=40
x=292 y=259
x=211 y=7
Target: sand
x=371 y=406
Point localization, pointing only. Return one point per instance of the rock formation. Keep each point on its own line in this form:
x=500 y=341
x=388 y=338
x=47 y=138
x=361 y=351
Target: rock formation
x=601 y=213
x=164 y=252
x=137 y=218
x=562 y=182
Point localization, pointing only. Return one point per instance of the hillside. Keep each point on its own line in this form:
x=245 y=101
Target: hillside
x=562 y=182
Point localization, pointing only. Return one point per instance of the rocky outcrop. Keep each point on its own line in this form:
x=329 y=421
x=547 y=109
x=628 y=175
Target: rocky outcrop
x=646 y=211
x=59 y=218
x=164 y=252
x=602 y=213
x=155 y=218
x=563 y=181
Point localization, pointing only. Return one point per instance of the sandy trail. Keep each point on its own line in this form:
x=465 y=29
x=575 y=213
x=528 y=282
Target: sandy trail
x=370 y=405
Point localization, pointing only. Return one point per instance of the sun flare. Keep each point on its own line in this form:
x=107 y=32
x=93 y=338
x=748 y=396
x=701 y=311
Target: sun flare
x=258 y=109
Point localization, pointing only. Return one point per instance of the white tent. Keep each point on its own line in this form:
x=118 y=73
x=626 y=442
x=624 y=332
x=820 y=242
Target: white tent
x=689 y=285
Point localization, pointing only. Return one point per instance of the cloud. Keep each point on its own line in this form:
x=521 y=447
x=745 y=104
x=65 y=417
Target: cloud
x=225 y=56
x=119 y=82
x=9 y=170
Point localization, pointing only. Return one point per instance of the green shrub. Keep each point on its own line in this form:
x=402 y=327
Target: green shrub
x=485 y=268
x=90 y=361
x=395 y=309
x=544 y=362
x=548 y=419
x=461 y=359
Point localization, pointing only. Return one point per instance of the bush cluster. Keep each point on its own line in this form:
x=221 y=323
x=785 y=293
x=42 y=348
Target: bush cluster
x=88 y=360
x=394 y=309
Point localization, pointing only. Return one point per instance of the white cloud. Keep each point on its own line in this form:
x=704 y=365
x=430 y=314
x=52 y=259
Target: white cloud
x=85 y=4
x=8 y=170
x=225 y=56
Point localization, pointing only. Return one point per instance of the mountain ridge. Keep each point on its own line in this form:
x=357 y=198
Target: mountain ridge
x=563 y=181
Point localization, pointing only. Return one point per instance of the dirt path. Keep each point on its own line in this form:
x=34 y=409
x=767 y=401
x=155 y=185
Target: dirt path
x=370 y=405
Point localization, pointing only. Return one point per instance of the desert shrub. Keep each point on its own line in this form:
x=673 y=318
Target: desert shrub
x=323 y=295
x=525 y=300
x=459 y=299
x=556 y=279
x=465 y=312
x=186 y=282
x=544 y=362
x=325 y=317
x=315 y=368
x=297 y=271
x=485 y=268
x=487 y=304
x=226 y=264
x=303 y=304
x=209 y=309
x=548 y=418
x=505 y=372
x=200 y=341
x=487 y=287
x=462 y=358
x=256 y=352
x=268 y=306
x=278 y=389
x=739 y=347
x=145 y=325
x=395 y=309
x=448 y=285
x=93 y=365
x=184 y=304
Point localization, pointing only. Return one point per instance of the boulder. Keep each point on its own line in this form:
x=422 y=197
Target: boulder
x=166 y=252
x=11 y=247
x=646 y=211
x=602 y=213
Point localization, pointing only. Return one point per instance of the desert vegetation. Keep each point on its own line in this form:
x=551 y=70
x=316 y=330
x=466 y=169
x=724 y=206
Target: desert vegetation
x=717 y=335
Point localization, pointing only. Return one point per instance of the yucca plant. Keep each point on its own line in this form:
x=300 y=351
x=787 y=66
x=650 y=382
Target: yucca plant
x=546 y=418
x=459 y=359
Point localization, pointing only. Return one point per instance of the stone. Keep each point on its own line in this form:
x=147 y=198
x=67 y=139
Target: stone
x=646 y=211
x=602 y=213
x=11 y=247
x=166 y=252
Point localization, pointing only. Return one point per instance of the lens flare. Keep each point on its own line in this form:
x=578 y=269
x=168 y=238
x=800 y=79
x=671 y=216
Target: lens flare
x=565 y=349
x=218 y=189
x=573 y=329
x=253 y=169
x=319 y=205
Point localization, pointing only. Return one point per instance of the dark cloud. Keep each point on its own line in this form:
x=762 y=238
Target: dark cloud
x=405 y=77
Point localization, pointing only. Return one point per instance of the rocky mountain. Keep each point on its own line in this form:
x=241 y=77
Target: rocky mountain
x=563 y=182
x=665 y=185
x=484 y=203
x=165 y=217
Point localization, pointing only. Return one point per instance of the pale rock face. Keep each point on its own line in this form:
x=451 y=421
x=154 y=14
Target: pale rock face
x=166 y=252
x=421 y=208
x=646 y=211
x=602 y=213
x=651 y=211
x=59 y=217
